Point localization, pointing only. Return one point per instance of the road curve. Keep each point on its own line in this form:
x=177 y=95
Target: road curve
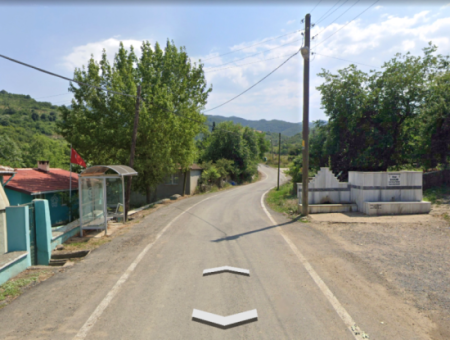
x=101 y=298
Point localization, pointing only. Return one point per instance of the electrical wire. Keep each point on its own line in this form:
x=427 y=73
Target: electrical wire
x=353 y=62
x=338 y=17
x=347 y=23
x=332 y=12
x=65 y=78
x=270 y=49
x=243 y=48
x=315 y=6
x=242 y=65
x=129 y=95
x=284 y=62
x=318 y=20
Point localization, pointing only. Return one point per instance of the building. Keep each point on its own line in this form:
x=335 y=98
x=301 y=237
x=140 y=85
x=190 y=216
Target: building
x=171 y=186
x=52 y=184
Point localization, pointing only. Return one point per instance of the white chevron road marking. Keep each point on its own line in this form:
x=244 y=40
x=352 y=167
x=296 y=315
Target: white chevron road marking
x=226 y=269
x=225 y=321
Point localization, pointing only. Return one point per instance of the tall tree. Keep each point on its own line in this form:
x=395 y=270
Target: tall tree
x=99 y=124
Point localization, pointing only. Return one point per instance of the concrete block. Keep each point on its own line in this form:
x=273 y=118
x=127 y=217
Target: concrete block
x=396 y=208
x=330 y=208
x=43 y=231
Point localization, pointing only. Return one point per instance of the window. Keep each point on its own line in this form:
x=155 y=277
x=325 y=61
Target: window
x=172 y=179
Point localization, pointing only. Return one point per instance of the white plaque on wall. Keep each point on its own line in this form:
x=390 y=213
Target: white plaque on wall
x=393 y=180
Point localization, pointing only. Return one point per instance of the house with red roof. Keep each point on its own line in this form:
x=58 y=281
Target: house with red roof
x=43 y=182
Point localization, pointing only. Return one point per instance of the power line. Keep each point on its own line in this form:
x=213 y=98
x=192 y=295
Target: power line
x=318 y=20
x=338 y=17
x=280 y=36
x=242 y=65
x=212 y=68
x=65 y=78
x=254 y=84
x=315 y=7
x=332 y=12
x=353 y=62
x=347 y=23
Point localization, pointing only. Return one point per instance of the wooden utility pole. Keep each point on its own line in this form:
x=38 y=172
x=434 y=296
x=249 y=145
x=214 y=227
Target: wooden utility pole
x=279 y=153
x=306 y=53
x=133 y=149
x=271 y=142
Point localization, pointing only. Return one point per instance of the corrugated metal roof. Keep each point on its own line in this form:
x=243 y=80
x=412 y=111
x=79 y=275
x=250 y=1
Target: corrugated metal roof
x=6 y=170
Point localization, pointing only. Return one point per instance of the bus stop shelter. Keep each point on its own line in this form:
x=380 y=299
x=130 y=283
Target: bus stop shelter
x=101 y=190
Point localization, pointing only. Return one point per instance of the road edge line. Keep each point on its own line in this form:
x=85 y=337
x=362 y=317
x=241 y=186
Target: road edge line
x=84 y=330
x=340 y=310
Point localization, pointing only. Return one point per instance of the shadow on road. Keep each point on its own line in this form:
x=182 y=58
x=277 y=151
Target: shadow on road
x=235 y=237
x=212 y=225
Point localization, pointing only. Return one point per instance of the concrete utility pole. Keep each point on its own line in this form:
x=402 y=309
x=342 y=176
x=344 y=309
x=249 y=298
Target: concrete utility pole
x=306 y=53
x=279 y=152
x=133 y=149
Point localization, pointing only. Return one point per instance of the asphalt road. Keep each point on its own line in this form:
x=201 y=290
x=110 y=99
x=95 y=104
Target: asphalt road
x=146 y=283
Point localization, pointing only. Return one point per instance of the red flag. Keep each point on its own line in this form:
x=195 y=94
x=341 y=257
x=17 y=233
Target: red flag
x=75 y=158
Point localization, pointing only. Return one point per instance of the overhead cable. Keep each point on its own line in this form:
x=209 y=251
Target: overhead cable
x=242 y=65
x=337 y=18
x=270 y=49
x=65 y=78
x=347 y=23
x=318 y=20
x=315 y=6
x=243 y=48
x=240 y=94
x=332 y=12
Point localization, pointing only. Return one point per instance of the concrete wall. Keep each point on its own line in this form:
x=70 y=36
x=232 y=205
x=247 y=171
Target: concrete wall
x=4 y=202
x=14 y=267
x=398 y=186
x=326 y=188
x=18 y=224
x=43 y=231
x=195 y=177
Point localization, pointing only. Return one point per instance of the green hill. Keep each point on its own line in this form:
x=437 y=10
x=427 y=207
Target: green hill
x=28 y=132
x=276 y=126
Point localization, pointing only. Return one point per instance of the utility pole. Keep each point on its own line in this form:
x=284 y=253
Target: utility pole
x=271 y=142
x=279 y=152
x=133 y=149
x=306 y=53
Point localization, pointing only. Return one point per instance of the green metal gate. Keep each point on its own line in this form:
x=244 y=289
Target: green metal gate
x=32 y=232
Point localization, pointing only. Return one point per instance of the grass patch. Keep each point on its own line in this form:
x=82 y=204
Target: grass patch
x=283 y=201
x=436 y=195
x=84 y=243
x=17 y=285
x=13 y=288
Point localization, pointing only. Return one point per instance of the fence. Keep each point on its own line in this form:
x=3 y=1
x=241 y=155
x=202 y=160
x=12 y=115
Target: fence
x=436 y=178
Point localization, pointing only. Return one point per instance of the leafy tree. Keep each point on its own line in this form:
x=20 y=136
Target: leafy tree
x=34 y=116
x=372 y=117
x=10 y=153
x=236 y=144
x=99 y=124
x=44 y=148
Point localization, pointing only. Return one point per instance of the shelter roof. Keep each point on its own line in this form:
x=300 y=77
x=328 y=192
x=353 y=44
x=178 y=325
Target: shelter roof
x=36 y=181
x=101 y=170
x=6 y=170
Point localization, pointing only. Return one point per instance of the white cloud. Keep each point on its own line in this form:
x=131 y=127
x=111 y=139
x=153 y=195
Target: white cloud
x=290 y=22
x=378 y=7
x=81 y=54
x=368 y=41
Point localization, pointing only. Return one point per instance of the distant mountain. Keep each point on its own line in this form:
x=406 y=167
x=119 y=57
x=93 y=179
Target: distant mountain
x=286 y=128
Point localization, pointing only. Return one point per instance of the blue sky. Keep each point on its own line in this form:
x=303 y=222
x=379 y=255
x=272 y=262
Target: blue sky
x=61 y=37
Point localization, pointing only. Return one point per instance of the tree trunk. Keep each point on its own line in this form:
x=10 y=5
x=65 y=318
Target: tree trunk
x=148 y=194
x=184 y=183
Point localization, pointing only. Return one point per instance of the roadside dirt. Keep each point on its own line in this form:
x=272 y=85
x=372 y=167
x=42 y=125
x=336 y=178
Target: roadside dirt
x=410 y=254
